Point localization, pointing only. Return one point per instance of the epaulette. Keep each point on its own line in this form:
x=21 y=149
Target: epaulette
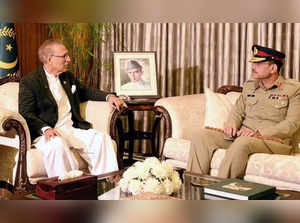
x=292 y=82
x=249 y=83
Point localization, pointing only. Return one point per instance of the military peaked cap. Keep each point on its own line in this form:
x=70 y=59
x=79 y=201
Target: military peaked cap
x=261 y=54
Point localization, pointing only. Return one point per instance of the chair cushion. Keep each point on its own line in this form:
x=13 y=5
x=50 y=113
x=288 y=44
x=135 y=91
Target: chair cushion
x=184 y=123
x=35 y=164
x=218 y=107
x=272 y=169
x=8 y=160
x=177 y=164
x=280 y=184
x=177 y=149
x=9 y=94
x=277 y=167
x=90 y=112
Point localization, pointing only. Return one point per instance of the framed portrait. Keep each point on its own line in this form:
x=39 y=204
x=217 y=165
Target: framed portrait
x=135 y=74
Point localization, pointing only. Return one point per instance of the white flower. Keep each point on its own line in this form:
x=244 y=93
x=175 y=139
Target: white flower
x=176 y=181
x=159 y=172
x=153 y=185
x=168 y=168
x=168 y=187
x=130 y=173
x=135 y=186
x=138 y=164
x=151 y=161
x=73 y=89
x=142 y=172
x=124 y=184
x=150 y=176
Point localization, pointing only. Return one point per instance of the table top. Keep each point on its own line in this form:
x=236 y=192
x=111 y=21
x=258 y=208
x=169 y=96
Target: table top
x=192 y=189
x=141 y=101
x=187 y=192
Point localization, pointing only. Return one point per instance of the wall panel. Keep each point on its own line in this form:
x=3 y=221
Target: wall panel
x=29 y=38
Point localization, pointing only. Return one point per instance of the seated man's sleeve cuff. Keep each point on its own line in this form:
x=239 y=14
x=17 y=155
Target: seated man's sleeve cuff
x=45 y=128
x=109 y=95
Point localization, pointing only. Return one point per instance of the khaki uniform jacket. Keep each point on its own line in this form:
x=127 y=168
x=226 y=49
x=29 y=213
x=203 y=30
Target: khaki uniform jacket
x=272 y=112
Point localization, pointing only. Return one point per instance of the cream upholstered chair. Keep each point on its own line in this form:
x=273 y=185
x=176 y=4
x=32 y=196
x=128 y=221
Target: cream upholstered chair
x=185 y=115
x=20 y=164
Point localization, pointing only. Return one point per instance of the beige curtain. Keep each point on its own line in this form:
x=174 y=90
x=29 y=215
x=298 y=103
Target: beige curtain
x=191 y=56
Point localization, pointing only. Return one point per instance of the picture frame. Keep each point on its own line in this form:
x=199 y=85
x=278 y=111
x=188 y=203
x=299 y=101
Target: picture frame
x=135 y=74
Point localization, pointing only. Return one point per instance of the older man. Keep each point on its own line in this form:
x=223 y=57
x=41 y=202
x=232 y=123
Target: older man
x=263 y=120
x=49 y=100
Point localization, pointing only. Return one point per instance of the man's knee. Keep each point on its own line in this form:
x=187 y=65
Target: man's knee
x=58 y=144
x=241 y=144
x=205 y=134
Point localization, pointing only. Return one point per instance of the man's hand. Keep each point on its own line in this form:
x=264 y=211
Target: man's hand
x=230 y=131
x=247 y=132
x=51 y=133
x=116 y=102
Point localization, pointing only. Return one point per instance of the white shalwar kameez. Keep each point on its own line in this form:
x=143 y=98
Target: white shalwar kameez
x=95 y=147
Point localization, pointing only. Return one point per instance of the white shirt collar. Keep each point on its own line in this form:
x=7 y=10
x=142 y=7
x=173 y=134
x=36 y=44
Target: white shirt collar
x=50 y=75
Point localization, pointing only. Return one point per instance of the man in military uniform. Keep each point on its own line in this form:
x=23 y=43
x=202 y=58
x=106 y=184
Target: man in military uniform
x=263 y=120
x=135 y=72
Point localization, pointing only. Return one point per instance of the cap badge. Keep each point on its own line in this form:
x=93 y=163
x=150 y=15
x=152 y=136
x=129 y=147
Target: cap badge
x=255 y=51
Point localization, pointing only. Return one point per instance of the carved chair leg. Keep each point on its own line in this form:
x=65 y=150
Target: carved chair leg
x=21 y=181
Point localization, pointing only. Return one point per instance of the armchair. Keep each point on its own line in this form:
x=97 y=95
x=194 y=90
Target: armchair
x=22 y=165
x=184 y=116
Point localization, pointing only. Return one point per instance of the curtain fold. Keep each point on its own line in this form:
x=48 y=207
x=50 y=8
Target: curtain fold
x=191 y=56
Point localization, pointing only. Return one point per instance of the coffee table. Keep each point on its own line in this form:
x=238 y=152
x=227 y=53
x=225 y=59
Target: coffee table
x=192 y=188
x=108 y=188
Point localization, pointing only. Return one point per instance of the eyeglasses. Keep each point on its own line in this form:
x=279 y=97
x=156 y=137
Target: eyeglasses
x=63 y=56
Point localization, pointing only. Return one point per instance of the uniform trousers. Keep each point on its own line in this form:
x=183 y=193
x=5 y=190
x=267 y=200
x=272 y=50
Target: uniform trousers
x=94 y=147
x=235 y=161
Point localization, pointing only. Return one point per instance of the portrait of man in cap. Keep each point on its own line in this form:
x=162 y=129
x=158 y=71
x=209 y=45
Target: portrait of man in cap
x=135 y=73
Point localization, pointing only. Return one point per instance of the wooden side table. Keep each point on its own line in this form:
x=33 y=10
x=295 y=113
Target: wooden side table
x=132 y=134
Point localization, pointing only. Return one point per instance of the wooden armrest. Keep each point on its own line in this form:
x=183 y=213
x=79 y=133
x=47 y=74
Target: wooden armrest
x=11 y=120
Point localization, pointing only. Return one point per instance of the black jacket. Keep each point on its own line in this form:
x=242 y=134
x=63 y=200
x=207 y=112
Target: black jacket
x=38 y=106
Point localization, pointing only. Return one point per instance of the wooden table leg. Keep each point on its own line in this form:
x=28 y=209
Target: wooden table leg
x=154 y=142
x=131 y=135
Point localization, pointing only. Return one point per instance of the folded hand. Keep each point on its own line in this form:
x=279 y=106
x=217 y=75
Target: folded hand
x=230 y=131
x=247 y=132
x=51 y=133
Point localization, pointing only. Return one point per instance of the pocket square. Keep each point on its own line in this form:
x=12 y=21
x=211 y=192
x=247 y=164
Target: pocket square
x=73 y=89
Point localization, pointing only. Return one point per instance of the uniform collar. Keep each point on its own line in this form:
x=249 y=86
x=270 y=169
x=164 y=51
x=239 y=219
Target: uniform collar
x=277 y=83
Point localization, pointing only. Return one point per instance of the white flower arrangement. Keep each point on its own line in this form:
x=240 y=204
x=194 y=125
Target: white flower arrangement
x=150 y=176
